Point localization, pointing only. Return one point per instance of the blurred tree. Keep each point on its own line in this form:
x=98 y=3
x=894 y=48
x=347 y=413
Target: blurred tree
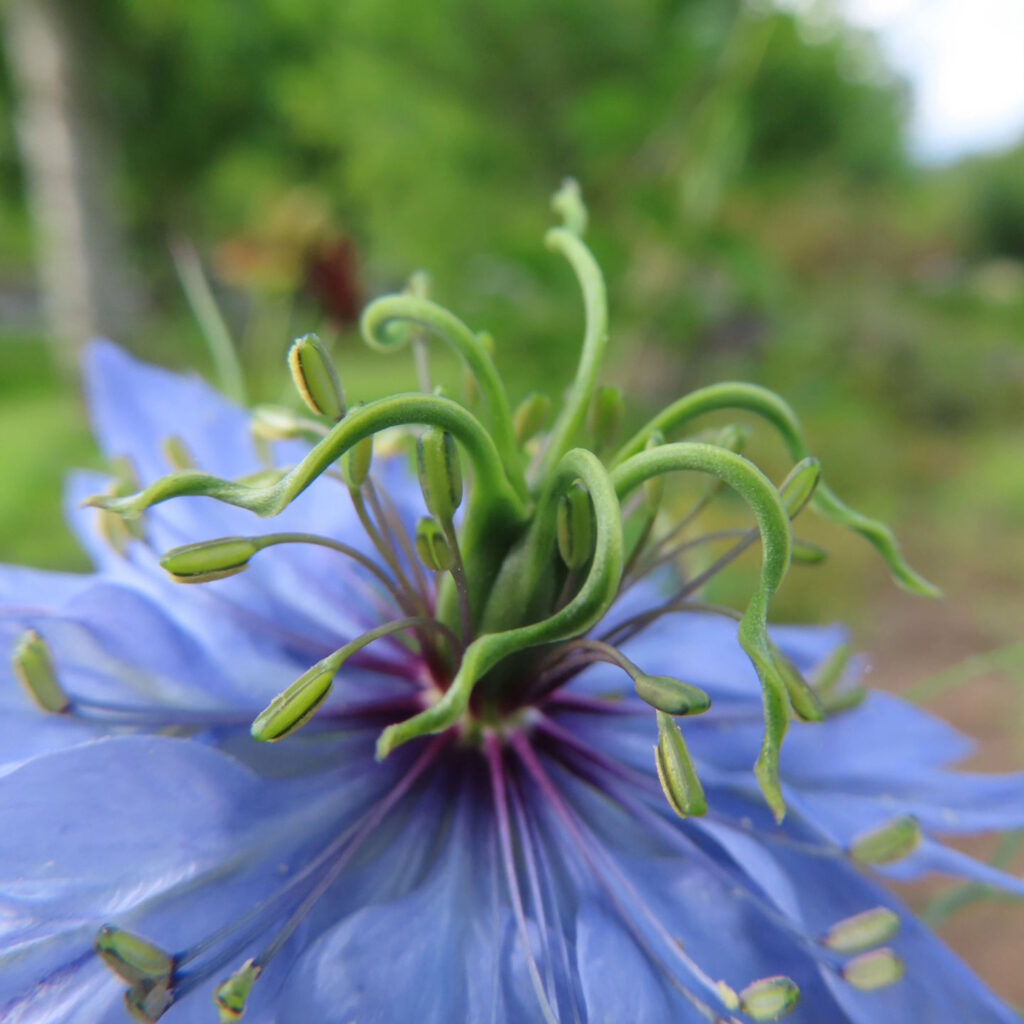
x=66 y=162
x=427 y=132
x=997 y=205
x=825 y=103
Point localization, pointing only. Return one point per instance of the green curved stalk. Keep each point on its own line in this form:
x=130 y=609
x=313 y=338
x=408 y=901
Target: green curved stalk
x=296 y=705
x=595 y=305
x=380 y=314
x=769 y=406
x=492 y=490
x=591 y=602
x=776 y=542
x=495 y=511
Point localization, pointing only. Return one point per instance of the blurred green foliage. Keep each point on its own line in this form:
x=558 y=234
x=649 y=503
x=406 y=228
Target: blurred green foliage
x=431 y=132
x=751 y=203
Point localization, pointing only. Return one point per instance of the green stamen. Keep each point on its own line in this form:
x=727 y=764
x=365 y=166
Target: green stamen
x=432 y=547
x=33 y=666
x=132 y=958
x=575 y=527
x=888 y=843
x=776 y=539
x=177 y=454
x=589 y=605
x=209 y=559
x=294 y=707
x=800 y=485
x=437 y=460
x=806 y=553
x=872 y=971
x=863 y=931
x=316 y=378
x=770 y=998
x=676 y=773
x=232 y=995
x=356 y=462
x=147 y=1001
x=530 y=416
x=277 y=423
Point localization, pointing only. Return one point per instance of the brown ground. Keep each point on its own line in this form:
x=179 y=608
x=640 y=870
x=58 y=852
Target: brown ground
x=912 y=641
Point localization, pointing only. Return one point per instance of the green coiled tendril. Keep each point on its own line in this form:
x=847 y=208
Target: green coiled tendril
x=503 y=600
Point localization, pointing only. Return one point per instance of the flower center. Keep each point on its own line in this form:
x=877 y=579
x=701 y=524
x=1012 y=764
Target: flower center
x=492 y=603
x=500 y=594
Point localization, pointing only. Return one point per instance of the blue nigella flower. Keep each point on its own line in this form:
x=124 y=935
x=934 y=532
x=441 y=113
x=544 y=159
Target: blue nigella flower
x=481 y=807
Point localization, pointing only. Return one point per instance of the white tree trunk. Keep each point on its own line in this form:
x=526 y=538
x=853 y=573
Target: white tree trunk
x=66 y=167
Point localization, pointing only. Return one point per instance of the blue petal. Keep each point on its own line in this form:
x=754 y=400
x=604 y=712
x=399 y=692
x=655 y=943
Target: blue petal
x=874 y=744
x=619 y=983
x=135 y=406
x=313 y=600
x=824 y=888
x=98 y=828
x=99 y=831
x=686 y=905
x=26 y=587
x=432 y=951
x=933 y=856
x=96 y=656
x=27 y=734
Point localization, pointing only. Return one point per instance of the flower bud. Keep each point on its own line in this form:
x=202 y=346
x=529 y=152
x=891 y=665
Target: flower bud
x=530 y=416
x=874 y=970
x=770 y=998
x=294 y=707
x=676 y=772
x=888 y=843
x=33 y=665
x=670 y=695
x=607 y=414
x=798 y=487
x=131 y=958
x=209 y=559
x=232 y=994
x=432 y=546
x=316 y=378
x=863 y=931
x=440 y=473
x=575 y=527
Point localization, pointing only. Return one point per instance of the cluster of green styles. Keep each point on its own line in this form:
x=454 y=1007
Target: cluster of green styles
x=547 y=536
